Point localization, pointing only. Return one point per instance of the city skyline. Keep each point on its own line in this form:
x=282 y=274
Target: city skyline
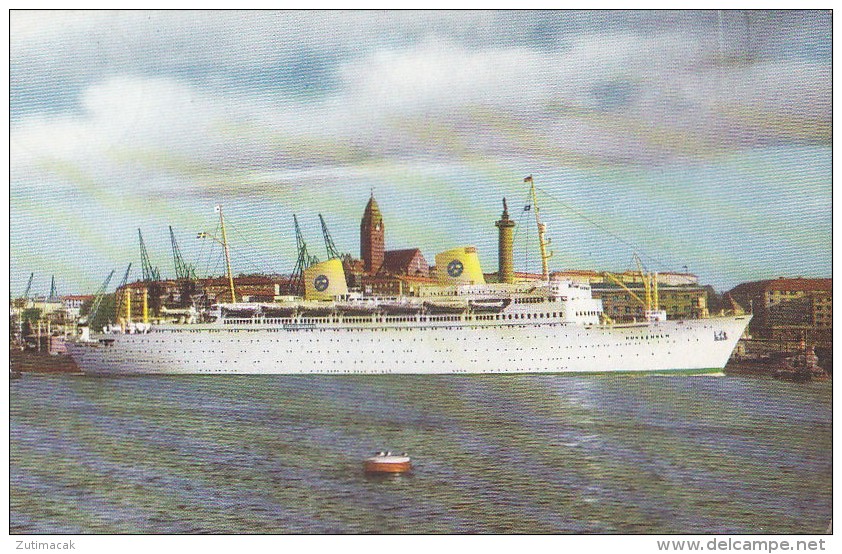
x=697 y=139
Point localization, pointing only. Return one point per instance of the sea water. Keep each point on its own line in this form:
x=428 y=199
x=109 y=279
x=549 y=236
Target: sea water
x=491 y=454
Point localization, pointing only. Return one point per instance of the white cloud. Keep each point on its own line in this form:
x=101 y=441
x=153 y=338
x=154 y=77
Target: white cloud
x=159 y=109
x=429 y=84
x=438 y=75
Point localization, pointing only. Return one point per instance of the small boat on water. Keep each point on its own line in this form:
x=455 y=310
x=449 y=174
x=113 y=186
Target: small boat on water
x=802 y=367
x=386 y=462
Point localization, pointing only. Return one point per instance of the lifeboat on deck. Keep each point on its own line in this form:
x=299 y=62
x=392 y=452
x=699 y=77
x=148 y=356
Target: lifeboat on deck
x=444 y=307
x=360 y=308
x=273 y=311
x=492 y=305
x=315 y=310
x=401 y=307
x=386 y=462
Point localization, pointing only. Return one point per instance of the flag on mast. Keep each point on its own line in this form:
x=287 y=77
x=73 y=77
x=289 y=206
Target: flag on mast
x=528 y=179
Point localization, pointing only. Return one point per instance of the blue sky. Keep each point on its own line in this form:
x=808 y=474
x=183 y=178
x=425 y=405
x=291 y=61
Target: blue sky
x=698 y=139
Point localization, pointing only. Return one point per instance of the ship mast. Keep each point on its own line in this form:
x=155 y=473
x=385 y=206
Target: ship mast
x=542 y=243
x=227 y=255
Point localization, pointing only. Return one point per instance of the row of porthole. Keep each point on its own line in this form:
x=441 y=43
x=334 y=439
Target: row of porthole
x=369 y=362
x=288 y=351
x=374 y=353
x=393 y=340
x=473 y=339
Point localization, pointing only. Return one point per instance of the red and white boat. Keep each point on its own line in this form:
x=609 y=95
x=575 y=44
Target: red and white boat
x=386 y=462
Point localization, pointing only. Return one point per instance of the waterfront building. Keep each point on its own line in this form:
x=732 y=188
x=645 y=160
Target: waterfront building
x=589 y=276
x=384 y=272
x=72 y=303
x=47 y=305
x=409 y=261
x=787 y=309
x=170 y=295
x=679 y=302
x=395 y=285
x=372 y=238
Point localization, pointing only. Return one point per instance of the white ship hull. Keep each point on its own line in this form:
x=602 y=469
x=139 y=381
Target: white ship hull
x=410 y=346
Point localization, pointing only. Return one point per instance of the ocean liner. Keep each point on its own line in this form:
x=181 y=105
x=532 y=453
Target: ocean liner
x=461 y=325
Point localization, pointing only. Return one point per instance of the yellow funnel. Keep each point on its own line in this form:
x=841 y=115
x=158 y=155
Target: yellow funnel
x=459 y=266
x=325 y=280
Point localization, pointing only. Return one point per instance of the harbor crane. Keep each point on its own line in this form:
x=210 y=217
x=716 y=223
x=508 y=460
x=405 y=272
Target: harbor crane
x=332 y=251
x=124 y=297
x=149 y=273
x=651 y=300
x=125 y=276
x=185 y=274
x=296 y=281
x=183 y=270
x=26 y=292
x=151 y=277
x=98 y=296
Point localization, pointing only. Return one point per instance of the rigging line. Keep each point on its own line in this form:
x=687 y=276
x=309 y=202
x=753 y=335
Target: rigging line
x=603 y=229
x=242 y=256
x=207 y=257
x=527 y=225
x=220 y=265
x=259 y=265
x=201 y=256
x=261 y=262
x=517 y=231
x=515 y=240
x=210 y=250
x=526 y=250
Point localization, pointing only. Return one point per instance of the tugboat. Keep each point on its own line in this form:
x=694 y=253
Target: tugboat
x=386 y=462
x=802 y=367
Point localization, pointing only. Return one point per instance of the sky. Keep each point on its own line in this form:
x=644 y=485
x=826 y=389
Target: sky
x=699 y=140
